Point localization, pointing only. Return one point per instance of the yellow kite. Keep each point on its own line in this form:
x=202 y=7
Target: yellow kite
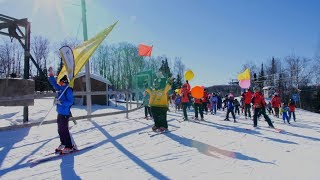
x=245 y=75
x=83 y=52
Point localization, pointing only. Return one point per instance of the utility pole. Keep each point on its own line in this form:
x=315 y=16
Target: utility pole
x=85 y=37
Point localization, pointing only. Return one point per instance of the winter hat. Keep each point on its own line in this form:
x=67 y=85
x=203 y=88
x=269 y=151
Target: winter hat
x=64 y=79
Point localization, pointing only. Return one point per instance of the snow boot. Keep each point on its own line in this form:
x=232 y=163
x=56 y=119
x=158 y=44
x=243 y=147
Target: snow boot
x=67 y=150
x=162 y=129
x=60 y=148
x=155 y=128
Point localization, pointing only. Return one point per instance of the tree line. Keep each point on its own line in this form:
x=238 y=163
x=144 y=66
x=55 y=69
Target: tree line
x=116 y=62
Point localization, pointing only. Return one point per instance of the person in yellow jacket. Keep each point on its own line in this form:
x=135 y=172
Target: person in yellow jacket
x=159 y=102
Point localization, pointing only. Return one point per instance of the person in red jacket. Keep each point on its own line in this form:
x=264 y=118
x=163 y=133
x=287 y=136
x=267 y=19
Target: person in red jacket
x=198 y=108
x=247 y=103
x=259 y=105
x=276 y=103
x=292 y=108
x=185 y=98
x=205 y=101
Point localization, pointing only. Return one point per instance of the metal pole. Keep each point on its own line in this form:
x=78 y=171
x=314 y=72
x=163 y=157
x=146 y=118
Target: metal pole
x=85 y=37
x=26 y=66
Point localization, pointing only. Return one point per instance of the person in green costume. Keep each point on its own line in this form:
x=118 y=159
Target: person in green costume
x=159 y=102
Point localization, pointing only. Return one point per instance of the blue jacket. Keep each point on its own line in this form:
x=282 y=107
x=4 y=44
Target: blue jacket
x=66 y=99
x=230 y=104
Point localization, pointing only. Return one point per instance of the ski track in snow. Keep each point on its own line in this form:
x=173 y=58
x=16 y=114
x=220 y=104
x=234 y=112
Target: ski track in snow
x=210 y=149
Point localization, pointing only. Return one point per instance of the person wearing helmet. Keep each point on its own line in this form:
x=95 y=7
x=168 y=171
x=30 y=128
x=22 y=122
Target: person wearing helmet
x=64 y=103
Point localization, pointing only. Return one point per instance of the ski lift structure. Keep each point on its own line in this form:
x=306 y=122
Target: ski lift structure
x=19 y=29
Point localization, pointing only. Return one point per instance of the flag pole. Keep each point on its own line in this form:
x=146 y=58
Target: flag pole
x=85 y=37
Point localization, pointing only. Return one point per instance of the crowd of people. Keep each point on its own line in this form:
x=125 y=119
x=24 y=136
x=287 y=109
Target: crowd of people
x=250 y=104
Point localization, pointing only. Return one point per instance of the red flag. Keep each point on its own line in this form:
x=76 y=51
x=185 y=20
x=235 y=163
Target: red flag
x=145 y=50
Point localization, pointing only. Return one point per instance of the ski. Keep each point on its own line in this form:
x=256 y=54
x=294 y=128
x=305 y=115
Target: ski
x=54 y=156
x=158 y=133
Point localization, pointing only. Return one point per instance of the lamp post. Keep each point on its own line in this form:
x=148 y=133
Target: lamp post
x=85 y=37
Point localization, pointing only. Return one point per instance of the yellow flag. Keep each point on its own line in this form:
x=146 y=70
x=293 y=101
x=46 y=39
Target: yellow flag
x=245 y=75
x=83 y=52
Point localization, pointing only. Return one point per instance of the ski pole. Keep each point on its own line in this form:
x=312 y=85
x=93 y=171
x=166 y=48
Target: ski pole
x=52 y=107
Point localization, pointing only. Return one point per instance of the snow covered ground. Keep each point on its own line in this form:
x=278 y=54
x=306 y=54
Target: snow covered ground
x=213 y=149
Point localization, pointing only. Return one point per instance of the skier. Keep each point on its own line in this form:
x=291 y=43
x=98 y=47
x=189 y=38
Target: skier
x=177 y=102
x=284 y=110
x=159 y=102
x=292 y=108
x=242 y=104
x=147 y=110
x=214 y=102
x=185 y=99
x=259 y=105
x=236 y=106
x=198 y=108
x=276 y=102
x=247 y=103
x=205 y=101
x=230 y=108
x=63 y=109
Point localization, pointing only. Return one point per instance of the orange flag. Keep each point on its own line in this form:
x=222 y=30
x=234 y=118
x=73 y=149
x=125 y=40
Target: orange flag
x=145 y=50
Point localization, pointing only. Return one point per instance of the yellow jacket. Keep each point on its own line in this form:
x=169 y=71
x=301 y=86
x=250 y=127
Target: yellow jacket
x=159 y=98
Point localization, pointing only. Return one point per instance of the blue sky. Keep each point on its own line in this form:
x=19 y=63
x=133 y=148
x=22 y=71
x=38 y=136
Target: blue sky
x=214 y=38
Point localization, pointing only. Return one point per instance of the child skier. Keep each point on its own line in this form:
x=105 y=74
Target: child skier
x=214 y=102
x=147 y=110
x=230 y=108
x=292 y=108
x=236 y=106
x=63 y=109
x=177 y=102
x=185 y=99
x=284 y=110
x=247 y=103
x=205 y=101
x=276 y=103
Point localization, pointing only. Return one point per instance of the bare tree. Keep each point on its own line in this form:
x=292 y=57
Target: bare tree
x=179 y=67
x=40 y=49
x=297 y=68
x=316 y=70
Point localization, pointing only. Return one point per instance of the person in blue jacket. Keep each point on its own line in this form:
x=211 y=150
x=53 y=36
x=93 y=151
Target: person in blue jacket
x=64 y=103
x=230 y=107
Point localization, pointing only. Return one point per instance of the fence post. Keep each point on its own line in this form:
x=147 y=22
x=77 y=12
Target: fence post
x=127 y=114
x=130 y=100
x=137 y=99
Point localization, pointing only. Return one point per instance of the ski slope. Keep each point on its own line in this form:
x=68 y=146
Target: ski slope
x=122 y=148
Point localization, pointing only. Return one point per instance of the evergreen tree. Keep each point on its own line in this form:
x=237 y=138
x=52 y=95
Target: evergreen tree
x=177 y=83
x=165 y=69
x=261 y=78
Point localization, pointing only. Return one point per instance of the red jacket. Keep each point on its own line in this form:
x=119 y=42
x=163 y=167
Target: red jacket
x=258 y=100
x=275 y=101
x=197 y=101
x=292 y=107
x=205 y=97
x=185 y=93
x=247 y=97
